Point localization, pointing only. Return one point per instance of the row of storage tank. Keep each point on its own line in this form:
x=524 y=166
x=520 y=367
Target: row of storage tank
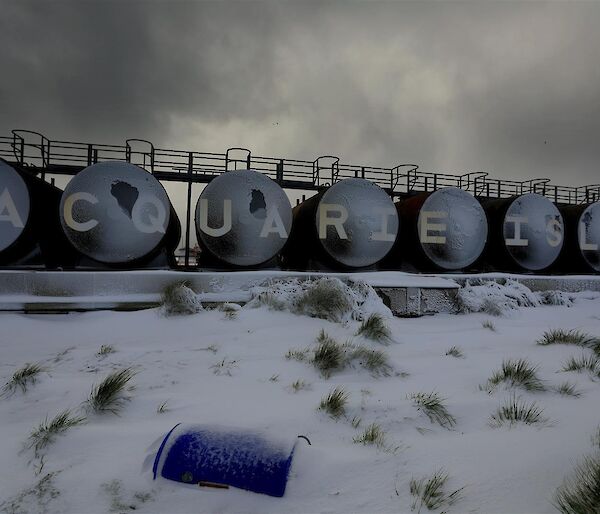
x=117 y=215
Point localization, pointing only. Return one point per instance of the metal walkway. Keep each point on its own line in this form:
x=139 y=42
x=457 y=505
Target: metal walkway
x=44 y=156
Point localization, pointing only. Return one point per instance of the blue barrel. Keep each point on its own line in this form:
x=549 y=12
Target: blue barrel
x=216 y=456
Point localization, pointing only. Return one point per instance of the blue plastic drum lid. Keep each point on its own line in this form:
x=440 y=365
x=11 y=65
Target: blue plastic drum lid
x=195 y=454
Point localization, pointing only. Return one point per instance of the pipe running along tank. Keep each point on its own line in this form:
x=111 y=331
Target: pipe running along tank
x=442 y=230
x=243 y=219
x=118 y=214
x=526 y=232
x=581 y=251
x=351 y=224
x=30 y=232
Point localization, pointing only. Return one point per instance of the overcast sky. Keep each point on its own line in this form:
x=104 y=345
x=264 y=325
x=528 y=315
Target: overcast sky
x=512 y=88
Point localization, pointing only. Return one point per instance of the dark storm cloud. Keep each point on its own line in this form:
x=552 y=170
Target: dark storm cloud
x=509 y=88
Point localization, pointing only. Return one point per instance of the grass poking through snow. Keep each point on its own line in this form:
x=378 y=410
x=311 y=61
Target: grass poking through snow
x=374 y=328
x=335 y=402
x=430 y=492
x=328 y=355
x=580 y=492
x=455 y=351
x=47 y=431
x=515 y=410
x=22 y=379
x=568 y=389
x=589 y=363
x=432 y=405
x=516 y=373
x=105 y=349
x=560 y=336
x=489 y=325
x=372 y=435
x=178 y=299
x=110 y=394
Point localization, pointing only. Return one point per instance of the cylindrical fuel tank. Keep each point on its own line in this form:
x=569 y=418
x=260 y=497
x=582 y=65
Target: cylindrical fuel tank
x=441 y=230
x=581 y=251
x=30 y=232
x=117 y=214
x=526 y=232
x=351 y=224
x=243 y=219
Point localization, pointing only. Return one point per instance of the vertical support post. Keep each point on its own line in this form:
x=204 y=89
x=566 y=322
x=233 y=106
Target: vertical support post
x=279 y=172
x=499 y=189
x=555 y=194
x=89 y=154
x=95 y=155
x=435 y=182
x=362 y=172
x=188 y=208
x=426 y=183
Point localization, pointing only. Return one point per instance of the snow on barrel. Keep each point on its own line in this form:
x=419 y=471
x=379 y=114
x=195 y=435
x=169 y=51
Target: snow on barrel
x=243 y=218
x=444 y=229
x=214 y=456
x=351 y=224
x=14 y=206
x=527 y=232
x=582 y=237
x=115 y=212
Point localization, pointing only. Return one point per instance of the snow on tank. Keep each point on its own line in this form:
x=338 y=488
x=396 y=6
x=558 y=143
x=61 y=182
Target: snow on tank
x=533 y=231
x=115 y=212
x=243 y=218
x=452 y=228
x=356 y=222
x=14 y=205
x=588 y=235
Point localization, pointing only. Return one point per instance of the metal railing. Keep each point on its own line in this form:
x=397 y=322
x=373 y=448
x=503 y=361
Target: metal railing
x=42 y=155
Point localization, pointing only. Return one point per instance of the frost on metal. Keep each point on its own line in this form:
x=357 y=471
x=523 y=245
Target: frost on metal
x=243 y=218
x=327 y=298
x=464 y=225
x=115 y=212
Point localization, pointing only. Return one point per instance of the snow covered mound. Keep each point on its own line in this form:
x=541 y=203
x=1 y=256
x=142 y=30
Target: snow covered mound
x=179 y=299
x=497 y=298
x=326 y=298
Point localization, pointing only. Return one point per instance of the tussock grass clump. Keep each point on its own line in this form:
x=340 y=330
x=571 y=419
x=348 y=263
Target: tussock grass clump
x=372 y=435
x=374 y=328
x=429 y=492
x=327 y=299
x=178 y=299
x=514 y=411
x=22 y=379
x=335 y=402
x=455 y=351
x=106 y=349
x=489 y=325
x=560 y=336
x=432 y=405
x=299 y=385
x=568 y=389
x=589 y=363
x=516 y=373
x=46 y=431
x=580 y=492
x=328 y=355
x=110 y=394
x=373 y=360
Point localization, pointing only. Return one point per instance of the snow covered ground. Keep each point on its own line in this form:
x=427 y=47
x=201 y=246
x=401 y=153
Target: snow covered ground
x=216 y=370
